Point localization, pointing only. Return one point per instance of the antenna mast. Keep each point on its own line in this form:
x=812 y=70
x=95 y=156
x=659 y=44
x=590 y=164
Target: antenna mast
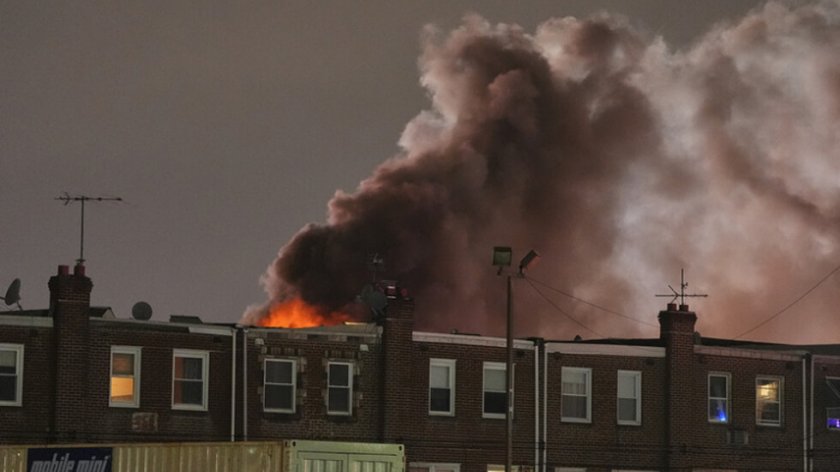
x=67 y=199
x=681 y=294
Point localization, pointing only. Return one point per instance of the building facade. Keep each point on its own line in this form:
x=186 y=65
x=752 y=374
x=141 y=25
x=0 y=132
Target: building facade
x=77 y=374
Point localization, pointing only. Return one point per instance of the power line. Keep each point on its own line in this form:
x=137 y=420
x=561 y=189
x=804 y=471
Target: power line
x=789 y=305
x=563 y=312
x=578 y=299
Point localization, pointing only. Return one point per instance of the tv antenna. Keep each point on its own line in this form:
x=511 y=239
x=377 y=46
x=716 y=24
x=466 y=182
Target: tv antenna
x=68 y=199
x=375 y=263
x=13 y=294
x=681 y=294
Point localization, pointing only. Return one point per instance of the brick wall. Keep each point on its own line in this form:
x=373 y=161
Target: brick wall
x=69 y=304
x=603 y=442
x=710 y=445
x=66 y=390
x=467 y=438
x=677 y=334
x=312 y=352
x=155 y=419
x=32 y=421
x=398 y=378
x=826 y=442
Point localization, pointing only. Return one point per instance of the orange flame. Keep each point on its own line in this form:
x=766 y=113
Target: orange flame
x=296 y=313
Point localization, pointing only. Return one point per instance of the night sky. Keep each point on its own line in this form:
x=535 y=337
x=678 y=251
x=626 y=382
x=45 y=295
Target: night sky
x=226 y=127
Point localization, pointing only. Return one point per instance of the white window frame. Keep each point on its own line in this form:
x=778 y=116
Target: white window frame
x=780 y=401
x=18 y=350
x=449 y=364
x=293 y=384
x=434 y=466
x=205 y=378
x=573 y=419
x=832 y=412
x=136 y=352
x=637 y=379
x=495 y=366
x=709 y=396
x=349 y=388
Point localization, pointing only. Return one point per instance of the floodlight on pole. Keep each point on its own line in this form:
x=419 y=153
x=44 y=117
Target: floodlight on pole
x=502 y=257
x=530 y=259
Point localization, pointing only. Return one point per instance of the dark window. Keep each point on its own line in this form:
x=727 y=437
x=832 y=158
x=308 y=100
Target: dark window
x=441 y=388
x=495 y=397
x=280 y=385
x=340 y=390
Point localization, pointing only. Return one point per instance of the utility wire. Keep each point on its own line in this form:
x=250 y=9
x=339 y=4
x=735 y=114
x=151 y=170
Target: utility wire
x=789 y=305
x=578 y=299
x=563 y=312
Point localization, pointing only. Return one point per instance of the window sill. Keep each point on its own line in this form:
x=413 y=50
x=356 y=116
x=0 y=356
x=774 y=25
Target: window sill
x=197 y=408
x=576 y=420
x=628 y=423
x=770 y=427
x=124 y=405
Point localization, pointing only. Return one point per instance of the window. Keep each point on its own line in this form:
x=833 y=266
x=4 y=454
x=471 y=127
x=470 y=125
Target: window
x=433 y=467
x=280 y=383
x=768 y=400
x=11 y=374
x=340 y=391
x=442 y=387
x=576 y=393
x=125 y=377
x=189 y=379
x=495 y=396
x=832 y=401
x=629 y=397
x=718 y=398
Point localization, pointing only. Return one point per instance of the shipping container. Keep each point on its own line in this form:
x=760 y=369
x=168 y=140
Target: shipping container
x=249 y=456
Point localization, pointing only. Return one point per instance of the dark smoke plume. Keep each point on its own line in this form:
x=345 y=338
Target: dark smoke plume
x=621 y=161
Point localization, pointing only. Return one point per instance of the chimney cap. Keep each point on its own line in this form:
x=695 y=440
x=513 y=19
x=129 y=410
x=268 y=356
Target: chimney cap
x=63 y=269
x=79 y=269
x=672 y=307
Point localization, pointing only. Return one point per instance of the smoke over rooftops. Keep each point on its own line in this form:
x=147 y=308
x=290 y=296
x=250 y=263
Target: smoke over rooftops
x=620 y=160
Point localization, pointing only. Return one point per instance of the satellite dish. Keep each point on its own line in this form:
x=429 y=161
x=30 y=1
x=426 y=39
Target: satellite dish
x=141 y=311
x=375 y=299
x=13 y=294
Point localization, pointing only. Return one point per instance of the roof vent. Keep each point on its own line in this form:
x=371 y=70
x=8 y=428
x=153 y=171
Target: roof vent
x=189 y=319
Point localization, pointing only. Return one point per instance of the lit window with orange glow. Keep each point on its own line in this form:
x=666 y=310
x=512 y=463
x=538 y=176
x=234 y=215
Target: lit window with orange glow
x=125 y=377
x=768 y=400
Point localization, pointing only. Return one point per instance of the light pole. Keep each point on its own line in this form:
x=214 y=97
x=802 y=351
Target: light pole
x=501 y=258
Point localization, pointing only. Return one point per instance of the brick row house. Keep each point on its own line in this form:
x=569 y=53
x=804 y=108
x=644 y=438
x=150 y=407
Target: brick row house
x=77 y=374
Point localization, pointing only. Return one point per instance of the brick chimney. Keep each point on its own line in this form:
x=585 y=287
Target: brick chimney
x=677 y=334
x=69 y=308
x=398 y=326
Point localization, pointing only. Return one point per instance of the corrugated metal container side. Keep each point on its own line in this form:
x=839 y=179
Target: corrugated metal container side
x=188 y=457
x=333 y=456
x=13 y=459
x=251 y=456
